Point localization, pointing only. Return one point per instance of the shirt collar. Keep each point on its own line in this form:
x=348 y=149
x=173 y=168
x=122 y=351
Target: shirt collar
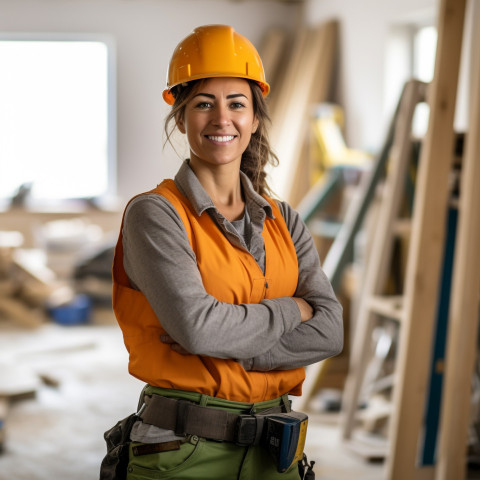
x=190 y=186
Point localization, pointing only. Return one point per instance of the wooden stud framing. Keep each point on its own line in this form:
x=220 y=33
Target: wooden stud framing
x=426 y=249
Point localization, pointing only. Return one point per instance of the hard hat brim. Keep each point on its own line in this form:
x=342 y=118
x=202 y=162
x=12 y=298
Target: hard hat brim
x=170 y=99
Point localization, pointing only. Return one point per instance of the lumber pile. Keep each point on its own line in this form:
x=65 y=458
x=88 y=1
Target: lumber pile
x=302 y=77
x=27 y=285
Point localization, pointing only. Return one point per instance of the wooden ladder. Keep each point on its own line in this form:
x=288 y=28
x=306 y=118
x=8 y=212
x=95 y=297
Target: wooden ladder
x=340 y=253
x=373 y=302
x=417 y=311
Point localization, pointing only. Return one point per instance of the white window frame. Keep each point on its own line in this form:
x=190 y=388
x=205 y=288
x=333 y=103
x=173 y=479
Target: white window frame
x=400 y=53
x=109 y=42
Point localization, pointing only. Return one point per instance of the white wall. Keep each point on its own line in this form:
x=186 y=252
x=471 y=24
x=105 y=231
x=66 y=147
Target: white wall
x=365 y=27
x=145 y=33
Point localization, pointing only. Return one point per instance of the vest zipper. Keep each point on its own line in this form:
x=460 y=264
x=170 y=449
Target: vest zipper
x=265 y=289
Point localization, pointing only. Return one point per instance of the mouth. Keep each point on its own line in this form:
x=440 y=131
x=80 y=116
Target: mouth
x=220 y=138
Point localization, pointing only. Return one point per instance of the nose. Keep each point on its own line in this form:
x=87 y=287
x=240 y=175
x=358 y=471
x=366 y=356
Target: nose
x=220 y=115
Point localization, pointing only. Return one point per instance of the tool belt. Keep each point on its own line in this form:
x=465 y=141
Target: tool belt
x=187 y=418
x=281 y=433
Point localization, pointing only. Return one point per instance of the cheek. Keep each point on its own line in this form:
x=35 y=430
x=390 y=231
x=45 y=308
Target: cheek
x=248 y=125
x=192 y=129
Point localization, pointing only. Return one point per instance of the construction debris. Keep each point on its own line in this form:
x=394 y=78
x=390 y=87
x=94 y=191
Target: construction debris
x=27 y=285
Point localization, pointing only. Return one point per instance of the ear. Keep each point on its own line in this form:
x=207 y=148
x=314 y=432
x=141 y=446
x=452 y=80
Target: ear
x=180 y=123
x=255 y=125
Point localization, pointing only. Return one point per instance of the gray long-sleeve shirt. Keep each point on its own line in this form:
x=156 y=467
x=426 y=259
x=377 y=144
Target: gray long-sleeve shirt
x=160 y=262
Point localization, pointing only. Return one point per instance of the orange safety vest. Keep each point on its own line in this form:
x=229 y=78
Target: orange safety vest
x=156 y=363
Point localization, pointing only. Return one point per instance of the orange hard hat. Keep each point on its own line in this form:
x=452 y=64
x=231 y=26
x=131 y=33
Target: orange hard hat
x=214 y=51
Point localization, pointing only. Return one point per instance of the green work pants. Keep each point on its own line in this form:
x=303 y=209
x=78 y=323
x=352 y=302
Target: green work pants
x=201 y=459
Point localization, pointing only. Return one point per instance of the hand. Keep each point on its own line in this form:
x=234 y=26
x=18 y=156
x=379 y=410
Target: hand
x=167 y=339
x=306 y=310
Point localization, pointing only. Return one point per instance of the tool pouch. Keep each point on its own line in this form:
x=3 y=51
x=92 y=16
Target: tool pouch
x=284 y=437
x=114 y=464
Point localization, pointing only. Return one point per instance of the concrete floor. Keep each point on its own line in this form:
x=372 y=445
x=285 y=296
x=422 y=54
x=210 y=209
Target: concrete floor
x=58 y=433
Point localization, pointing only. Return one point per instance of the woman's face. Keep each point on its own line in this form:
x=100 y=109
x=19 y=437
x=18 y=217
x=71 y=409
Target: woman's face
x=219 y=121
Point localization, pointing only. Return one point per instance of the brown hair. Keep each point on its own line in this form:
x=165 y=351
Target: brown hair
x=258 y=152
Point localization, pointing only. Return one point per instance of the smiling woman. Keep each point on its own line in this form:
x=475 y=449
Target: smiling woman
x=218 y=287
x=219 y=121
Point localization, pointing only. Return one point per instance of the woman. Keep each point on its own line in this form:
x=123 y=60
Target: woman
x=218 y=288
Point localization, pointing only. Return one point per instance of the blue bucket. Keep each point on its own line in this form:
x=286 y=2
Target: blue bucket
x=76 y=312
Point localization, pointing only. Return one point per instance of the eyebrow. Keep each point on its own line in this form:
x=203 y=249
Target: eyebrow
x=209 y=95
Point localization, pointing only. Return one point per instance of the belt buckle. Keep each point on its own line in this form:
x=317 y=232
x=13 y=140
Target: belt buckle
x=248 y=430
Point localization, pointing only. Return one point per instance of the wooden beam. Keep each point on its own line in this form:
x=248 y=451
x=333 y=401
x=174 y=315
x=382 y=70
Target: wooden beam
x=426 y=249
x=272 y=51
x=463 y=320
x=307 y=81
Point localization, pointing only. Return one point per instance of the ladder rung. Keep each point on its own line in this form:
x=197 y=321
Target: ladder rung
x=390 y=307
x=372 y=448
x=324 y=228
x=381 y=384
x=376 y=411
x=402 y=227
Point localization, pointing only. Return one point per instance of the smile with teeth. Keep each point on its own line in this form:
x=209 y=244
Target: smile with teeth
x=221 y=138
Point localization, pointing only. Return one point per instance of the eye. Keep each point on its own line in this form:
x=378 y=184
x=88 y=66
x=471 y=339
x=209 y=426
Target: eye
x=203 y=105
x=237 y=105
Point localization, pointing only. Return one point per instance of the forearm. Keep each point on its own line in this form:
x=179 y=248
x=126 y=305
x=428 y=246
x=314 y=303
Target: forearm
x=204 y=326
x=312 y=341
x=322 y=336
x=160 y=262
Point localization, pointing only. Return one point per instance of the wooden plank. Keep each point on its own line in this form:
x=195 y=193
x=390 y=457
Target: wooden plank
x=323 y=55
x=272 y=52
x=307 y=81
x=372 y=448
x=383 y=383
x=15 y=310
x=17 y=382
x=463 y=321
x=425 y=473
x=279 y=99
x=426 y=248
x=403 y=227
x=390 y=307
x=377 y=268
x=302 y=177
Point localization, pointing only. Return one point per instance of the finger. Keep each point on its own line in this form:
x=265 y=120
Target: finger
x=179 y=349
x=167 y=339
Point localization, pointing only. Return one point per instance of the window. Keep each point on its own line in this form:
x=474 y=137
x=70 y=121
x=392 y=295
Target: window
x=410 y=54
x=423 y=56
x=424 y=46
x=56 y=118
